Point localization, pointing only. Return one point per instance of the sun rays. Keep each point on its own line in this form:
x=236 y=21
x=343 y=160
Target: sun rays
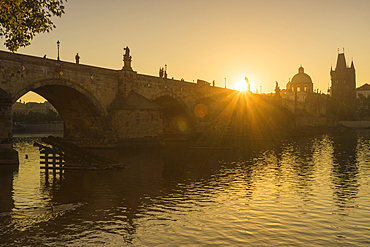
x=237 y=115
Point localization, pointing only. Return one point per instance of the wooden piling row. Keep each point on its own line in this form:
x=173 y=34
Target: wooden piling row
x=63 y=155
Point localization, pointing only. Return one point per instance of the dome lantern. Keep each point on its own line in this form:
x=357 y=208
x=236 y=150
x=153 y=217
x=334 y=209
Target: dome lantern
x=301 y=69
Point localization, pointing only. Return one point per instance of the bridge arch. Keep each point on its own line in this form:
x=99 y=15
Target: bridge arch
x=177 y=119
x=62 y=82
x=175 y=97
x=82 y=113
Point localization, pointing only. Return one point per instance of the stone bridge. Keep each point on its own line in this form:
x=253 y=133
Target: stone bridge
x=111 y=108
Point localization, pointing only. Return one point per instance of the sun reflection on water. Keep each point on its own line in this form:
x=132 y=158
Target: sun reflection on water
x=296 y=192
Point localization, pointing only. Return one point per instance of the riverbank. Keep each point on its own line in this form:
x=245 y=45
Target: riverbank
x=44 y=127
x=355 y=124
x=56 y=128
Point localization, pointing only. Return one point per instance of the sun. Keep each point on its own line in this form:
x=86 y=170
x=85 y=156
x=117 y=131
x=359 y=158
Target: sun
x=241 y=86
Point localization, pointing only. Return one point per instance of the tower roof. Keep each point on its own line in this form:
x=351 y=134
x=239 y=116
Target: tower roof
x=366 y=86
x=341 y=62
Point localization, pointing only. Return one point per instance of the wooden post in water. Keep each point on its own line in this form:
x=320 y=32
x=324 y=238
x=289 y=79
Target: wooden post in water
x=54 y=165
x=46 y=152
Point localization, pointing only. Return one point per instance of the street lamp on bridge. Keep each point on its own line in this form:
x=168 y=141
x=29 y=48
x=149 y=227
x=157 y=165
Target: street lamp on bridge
x=58 y=44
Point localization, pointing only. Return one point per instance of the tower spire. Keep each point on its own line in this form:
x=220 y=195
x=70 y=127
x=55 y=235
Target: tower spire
x=341 y=62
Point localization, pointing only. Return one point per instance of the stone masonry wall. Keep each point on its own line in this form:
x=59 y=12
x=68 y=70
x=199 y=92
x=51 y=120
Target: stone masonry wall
x=137 y=123
x=5 y=124
x=7 y=154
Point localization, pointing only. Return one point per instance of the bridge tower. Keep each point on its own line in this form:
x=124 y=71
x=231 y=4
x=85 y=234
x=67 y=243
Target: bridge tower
x=343 y=81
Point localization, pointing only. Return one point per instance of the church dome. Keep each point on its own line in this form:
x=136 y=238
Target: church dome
x=301 y=77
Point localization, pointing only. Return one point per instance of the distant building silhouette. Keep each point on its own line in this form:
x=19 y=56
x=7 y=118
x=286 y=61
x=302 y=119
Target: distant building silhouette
x=343 y=81
x=300 y=98
x=364 y=90
x=300 y=86
x=25 y=108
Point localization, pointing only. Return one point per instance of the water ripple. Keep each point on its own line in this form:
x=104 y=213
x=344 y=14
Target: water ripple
x=309 y=191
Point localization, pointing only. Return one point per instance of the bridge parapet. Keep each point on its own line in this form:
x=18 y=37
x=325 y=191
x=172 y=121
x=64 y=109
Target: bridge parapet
x=111 y=107
x=20 y=74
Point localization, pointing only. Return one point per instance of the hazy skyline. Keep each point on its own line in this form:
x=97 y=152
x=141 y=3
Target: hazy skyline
x=265 y=41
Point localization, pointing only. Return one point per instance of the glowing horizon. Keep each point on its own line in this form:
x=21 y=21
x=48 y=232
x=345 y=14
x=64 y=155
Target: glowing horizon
x=32 y=97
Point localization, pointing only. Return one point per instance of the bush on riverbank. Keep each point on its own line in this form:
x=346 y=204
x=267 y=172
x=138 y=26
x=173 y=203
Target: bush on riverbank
x=36 y=117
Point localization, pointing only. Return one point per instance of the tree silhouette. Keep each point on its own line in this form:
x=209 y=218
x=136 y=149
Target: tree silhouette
x=363 y=107
x=21 y=20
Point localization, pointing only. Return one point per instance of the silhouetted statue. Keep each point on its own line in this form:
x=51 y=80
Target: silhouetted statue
x=127 y=54
x=277 y=96
x=248 y=84
x=77 y=57
x=127 y=59
x=160 y=72
x=277 y=89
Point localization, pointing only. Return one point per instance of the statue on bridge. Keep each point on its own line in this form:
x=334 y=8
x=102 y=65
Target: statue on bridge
x=163 y=72
x=127 y=59
x=277 y=89
x=248 y=85
x=77 y=57
x=127 y=54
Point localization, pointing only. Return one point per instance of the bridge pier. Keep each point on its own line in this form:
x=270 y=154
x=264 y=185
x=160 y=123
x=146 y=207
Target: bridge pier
x=135 y=121
x=8 y=156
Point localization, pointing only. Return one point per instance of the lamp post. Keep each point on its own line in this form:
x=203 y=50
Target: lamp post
x=58 y=44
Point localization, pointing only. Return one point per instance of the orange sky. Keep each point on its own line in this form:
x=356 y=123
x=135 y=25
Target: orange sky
x=264 y=40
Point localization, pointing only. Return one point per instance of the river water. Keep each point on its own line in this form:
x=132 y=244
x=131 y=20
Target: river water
x=299 y=192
